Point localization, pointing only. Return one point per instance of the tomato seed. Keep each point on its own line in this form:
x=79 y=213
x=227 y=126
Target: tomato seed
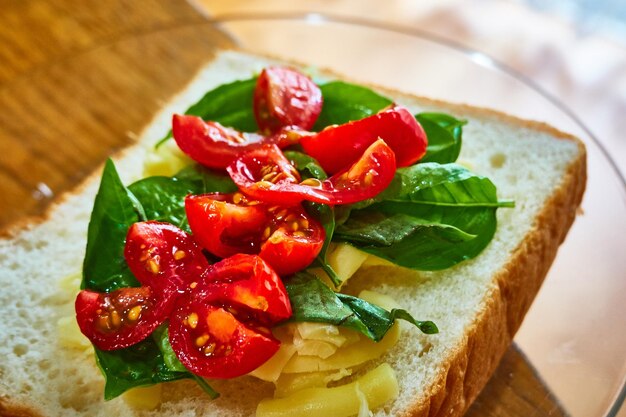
x=201 y=340
x=133 y=313
x=312 y=182
x=192 y=320
x=116 y=320
x=152 y=265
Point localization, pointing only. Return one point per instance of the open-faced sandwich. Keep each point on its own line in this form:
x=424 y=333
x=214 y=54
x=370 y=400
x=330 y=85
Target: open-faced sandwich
x=283 y=242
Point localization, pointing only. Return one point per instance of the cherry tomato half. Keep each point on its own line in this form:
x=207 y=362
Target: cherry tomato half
x=216 y=146
x=225 y=224
x=120 y=318
x=162 y=256
x=267 y=175
x=220 y=328
x=339 y=146
x=285 y=97
x=165 y=260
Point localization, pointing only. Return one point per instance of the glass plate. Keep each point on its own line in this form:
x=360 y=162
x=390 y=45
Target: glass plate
x=574 y=335
x=573 y=340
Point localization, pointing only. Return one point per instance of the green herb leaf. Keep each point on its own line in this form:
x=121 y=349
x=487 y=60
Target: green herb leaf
x=139 y=365
x=312 y=301
x=229 y=104
x=431 y=217
x=163 y=198
x=161 y=337
x=207 y=180
x=444 y=134
x=306 y=165
x=344 y=102
x=115 y=210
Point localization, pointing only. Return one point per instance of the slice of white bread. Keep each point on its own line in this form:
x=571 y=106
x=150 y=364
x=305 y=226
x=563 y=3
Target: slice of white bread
x=477 y=305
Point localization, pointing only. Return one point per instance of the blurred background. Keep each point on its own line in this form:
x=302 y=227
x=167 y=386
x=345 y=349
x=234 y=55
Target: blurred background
x=574 y=49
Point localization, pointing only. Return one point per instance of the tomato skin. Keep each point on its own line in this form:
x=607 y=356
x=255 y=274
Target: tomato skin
x=365 y=178
x=285 y=237
x=285 y=97
x=218 y=329
x=165 y=260
x=338 y=146
x=162 y=256
x=210 y=143
x=224 y=228
x=216 y=146
x=120 y=318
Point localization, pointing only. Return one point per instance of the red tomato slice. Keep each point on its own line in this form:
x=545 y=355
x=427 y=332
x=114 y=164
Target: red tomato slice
x=267 y=175
x=339 y=146
x=219 y=330
x=162 y=256
x=285 y=97
x=224 y=227
x=226 y=224
x=216 y=146
x=165 y=260
x=120 y=318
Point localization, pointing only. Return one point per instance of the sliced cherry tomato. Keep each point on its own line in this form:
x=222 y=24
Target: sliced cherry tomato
x=220 y=328
x=339 y=146
x=162 y=256
x=267 y=175
x=285 y=97
x=120 y=318
x=224 y=227
x=165 y=260
x=216 y=146
x=225 y=224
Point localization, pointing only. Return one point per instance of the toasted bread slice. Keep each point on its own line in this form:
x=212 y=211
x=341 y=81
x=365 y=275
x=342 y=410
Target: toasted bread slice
x=478 y=305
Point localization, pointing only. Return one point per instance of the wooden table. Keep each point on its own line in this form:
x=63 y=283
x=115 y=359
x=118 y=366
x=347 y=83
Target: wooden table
x=79 y=78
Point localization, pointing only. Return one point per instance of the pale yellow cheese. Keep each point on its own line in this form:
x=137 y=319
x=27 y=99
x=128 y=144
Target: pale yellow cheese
x=378 y=386
x=144 y=398
x=70 y=335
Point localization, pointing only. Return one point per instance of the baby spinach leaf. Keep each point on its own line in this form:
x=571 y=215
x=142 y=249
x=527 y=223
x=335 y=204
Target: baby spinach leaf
x=115 y=210
x=138 y=365
x=163 y=198
x=431 y=217
x=313 y=301
x=306 y=165
x=344 y=102
x=229 y=104
x=444 y=134
x=207 y=180
x=161 y=337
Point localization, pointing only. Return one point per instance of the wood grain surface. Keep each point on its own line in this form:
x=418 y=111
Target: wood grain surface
x=78 y=79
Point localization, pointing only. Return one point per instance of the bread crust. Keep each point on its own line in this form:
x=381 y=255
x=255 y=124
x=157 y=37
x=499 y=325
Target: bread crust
x=470 y=363
x=514 y=287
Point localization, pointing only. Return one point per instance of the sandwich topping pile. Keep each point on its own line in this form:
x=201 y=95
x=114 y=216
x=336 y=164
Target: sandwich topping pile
x=230 y=266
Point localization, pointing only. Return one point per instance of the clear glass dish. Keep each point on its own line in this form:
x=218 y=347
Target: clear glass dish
x=574 y=336
x=569 y=356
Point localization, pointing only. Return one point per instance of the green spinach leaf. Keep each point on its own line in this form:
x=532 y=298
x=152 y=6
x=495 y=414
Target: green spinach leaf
x=115 y=210
x=163 y=198
x=344 y=102
x=139 y=365
x=431 y=217
x=161 y=337
x=207 y=180
x=229 y=104
x=444 y=134
x=312 y=301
